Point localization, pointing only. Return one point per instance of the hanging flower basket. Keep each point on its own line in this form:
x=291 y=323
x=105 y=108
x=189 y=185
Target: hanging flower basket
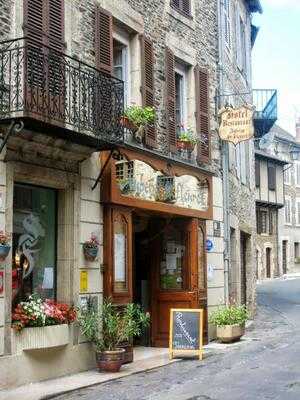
x=185 y=145
x=90 y=253
x=4 y=251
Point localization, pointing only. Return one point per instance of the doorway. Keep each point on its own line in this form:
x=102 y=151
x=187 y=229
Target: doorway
x=244 y=239
x=161 y=266
x=284 y=256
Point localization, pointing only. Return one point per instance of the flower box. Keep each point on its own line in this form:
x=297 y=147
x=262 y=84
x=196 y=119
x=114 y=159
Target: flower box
x=41 y=337
x=185 y=145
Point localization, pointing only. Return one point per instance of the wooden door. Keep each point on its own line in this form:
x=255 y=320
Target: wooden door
x=243 y=252
x=174 y=275
x=284 y=256
x=118 y=254
x=268 y=262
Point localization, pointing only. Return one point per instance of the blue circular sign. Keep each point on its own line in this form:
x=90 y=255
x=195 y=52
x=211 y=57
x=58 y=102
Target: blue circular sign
x=209 y=245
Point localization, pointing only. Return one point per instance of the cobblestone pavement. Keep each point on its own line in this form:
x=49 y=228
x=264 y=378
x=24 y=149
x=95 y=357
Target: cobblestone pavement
x=263 y=366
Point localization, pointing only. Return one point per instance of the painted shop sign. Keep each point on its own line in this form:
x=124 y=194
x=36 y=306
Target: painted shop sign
x=236 y=124
x=147 y=184
x=186 y=332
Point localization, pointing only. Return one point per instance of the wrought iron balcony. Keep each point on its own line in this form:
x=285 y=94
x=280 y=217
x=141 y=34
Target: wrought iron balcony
x=48 y=89
x=265 y=116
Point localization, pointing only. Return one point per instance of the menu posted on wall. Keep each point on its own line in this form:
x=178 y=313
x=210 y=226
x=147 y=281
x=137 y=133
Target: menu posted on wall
x=186 y=332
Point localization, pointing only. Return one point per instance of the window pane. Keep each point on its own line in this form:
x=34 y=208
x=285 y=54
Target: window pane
x=34 y=242
x=172 y=259
x=120 y=255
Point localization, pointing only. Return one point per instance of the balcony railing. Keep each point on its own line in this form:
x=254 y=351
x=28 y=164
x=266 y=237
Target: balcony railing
x=265 y=116
x=44 y=86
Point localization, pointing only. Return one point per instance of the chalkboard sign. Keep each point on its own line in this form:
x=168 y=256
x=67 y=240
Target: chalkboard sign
x=186 y=332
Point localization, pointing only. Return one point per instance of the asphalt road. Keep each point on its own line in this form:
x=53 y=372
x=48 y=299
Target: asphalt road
x=266 y=365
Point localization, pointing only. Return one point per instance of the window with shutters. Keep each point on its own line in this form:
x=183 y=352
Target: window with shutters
x=263 y=221
x=227 y=24
x=183 y=6
x=271 y=176
x=202 y=84
x=272 y=222
x=288 y=210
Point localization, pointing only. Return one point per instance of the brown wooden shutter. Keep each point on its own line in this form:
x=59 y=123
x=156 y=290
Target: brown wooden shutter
x=35 y=21
x=147 y=58
x=183 y=6
x=56 y=24
x=202 y=114
x=103 y=40
x=170 y=100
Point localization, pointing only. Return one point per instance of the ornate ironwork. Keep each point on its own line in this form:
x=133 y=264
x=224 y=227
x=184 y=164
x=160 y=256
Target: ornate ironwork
x=41 y=83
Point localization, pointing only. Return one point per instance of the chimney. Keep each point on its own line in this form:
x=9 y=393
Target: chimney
x=298 y=130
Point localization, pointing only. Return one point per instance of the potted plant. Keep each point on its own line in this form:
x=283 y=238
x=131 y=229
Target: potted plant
x=90 y=248
x=109 y=328
x=230 y=322
x=4 y=245
x=137 y=118
x=186 y=139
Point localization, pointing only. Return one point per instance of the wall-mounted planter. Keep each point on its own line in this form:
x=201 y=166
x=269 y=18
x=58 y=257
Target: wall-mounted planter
x=41 y=338
x=90 y=253
x=4 y=250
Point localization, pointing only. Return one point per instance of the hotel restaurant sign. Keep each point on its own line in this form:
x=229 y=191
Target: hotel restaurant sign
x=236 y=124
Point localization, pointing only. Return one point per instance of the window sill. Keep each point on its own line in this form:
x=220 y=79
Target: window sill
x=183 y=18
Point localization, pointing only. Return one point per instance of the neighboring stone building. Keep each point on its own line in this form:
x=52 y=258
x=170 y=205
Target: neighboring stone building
x=269 y=201
x=287 y=147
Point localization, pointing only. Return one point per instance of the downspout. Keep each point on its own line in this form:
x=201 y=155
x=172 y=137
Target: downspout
x=224 y=152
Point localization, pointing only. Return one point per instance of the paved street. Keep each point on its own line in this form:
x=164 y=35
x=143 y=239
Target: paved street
x=264 y=366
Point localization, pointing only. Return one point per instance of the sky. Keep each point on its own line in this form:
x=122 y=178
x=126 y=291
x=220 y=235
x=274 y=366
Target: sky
x=276 y=56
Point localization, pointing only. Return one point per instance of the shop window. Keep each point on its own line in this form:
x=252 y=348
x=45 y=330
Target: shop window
x=173 y=259
x=120 y=254
x=34 y=242
x=165 y=189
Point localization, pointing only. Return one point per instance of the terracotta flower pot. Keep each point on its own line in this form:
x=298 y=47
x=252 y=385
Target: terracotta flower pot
x=4 y=250
x=230 y=333
x=90 y=253
x=126 y=123
x=184 y=145
x=110 y=361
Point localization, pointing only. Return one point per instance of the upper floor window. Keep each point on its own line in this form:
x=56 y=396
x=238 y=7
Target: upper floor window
x=288 y=210
x=241 y=43
x=227 y=25
x=271 y=176
x=121 y=65
x=297 y=173
x=183 y=6
x=180 y=95
x=287 y=176
x=257 y=173
x=298 y=212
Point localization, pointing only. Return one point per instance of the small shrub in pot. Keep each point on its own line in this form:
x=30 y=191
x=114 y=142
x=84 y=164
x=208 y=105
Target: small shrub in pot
x=108 y=328
x=230 y=322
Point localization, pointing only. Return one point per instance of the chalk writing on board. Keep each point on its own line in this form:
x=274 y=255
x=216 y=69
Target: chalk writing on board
x=182 y=326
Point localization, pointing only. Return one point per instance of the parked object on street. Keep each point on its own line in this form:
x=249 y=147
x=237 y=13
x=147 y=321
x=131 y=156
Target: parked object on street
x=90 y=248
x=230 y=322
x=117 y=326
x=4 y=245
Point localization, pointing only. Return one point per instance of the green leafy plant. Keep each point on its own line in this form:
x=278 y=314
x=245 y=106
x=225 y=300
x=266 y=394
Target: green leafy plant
x=110 y=327
x=140 y=116
x=187 y=135
x=230 y=315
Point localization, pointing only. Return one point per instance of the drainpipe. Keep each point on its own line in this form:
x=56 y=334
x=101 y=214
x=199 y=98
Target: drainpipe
x=224 y=152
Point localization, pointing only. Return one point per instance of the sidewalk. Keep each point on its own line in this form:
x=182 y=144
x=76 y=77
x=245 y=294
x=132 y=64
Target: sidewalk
x=145 y=359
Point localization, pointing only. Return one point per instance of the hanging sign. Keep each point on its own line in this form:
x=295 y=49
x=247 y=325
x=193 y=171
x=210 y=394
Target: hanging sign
x=209 y=245
x=236 y=124
x=186 y=332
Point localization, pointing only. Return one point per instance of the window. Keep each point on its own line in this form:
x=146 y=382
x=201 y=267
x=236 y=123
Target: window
x=180 y=95
x=288 y=210
x=272 y=222
x=257 y=173
x=271 y=176
x=34 y=242
x=298 y=212
x=241 y=45
x=227 y=25
x=287 y=176
x=120 y=66
x=183 y=6
x=297 y=173
x=296 y=250
x=262 y=221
